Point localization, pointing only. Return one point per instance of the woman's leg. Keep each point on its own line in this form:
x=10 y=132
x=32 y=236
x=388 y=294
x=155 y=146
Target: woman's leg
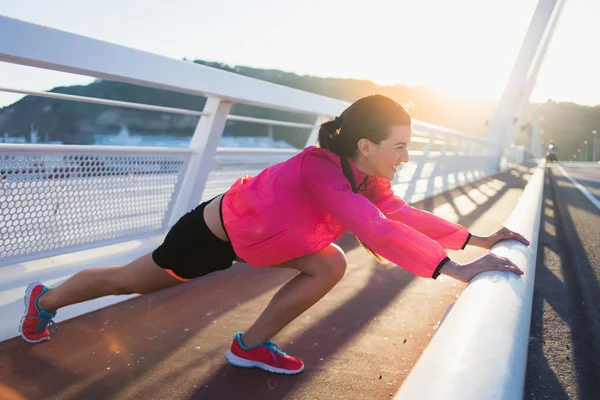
x=319 y=273
x=140 y=276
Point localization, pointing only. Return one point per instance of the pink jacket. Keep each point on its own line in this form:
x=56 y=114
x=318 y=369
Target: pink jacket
x=302 y=205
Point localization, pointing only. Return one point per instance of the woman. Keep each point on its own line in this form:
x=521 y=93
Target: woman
x=288 y=216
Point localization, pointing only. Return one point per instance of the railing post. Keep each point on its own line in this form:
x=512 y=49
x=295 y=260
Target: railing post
x=480 y=156
x=457 y=163
x=443 y=162
x=470 y=173
x=410 y=190
x=472 y=148
x=437 y=167
x=314 y=134
x=204 y=144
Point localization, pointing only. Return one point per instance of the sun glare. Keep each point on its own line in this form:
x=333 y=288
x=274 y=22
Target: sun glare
x=462 y=48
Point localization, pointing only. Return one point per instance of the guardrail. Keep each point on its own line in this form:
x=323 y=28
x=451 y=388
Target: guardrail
x=44 y=205
x=480 y=349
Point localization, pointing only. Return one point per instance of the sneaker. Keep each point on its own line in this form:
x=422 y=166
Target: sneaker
x=265 y=356
x=35 y=322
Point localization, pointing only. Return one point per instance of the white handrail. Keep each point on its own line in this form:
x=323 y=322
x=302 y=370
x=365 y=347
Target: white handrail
x=39 y=46
x=439 y=130
x=480 y=349
x=83 y=149
x=264 y=121
x=147 y=107
x=254 y=150
x=95 y=100
x=43 y=47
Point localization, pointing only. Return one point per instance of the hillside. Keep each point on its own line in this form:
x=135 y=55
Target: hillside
x=72 y=122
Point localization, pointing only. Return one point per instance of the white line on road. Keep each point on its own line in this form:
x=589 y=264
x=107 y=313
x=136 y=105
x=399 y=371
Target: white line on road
x=581 y=188
x=581 y=164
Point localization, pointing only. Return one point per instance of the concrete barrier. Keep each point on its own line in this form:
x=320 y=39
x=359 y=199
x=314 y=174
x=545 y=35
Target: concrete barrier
x=480 y=349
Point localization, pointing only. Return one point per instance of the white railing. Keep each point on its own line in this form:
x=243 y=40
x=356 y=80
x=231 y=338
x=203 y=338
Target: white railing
x=446 y=159
x=39 y=46
x=442 y=158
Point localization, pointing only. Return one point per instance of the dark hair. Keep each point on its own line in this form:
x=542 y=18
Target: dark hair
x=369 y=118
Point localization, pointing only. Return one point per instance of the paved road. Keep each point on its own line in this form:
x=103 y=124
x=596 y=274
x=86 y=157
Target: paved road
x=564 y=351
x=359 y=342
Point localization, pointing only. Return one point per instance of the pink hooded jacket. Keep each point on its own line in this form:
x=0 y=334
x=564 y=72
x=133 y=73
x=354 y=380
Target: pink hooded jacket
x=302 y=205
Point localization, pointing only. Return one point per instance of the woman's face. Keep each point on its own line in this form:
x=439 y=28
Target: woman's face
x=384 y=159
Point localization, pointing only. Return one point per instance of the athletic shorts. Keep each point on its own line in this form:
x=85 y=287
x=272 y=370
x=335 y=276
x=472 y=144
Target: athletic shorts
x=191 y=250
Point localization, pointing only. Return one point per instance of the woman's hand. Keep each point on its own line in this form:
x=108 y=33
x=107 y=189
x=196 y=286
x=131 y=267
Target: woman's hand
x=488 y=262
x=487 y=242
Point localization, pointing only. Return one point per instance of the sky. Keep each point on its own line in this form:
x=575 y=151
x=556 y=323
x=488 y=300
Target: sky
x=463 y=48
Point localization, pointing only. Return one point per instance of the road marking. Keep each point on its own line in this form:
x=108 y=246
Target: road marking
x=581 y=164
x=583 y=190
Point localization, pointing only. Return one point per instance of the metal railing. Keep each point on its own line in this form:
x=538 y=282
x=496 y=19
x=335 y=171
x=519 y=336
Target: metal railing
x=47 y=191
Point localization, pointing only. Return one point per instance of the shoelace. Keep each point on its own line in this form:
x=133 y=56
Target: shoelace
x=273 y=348
x=46 y=321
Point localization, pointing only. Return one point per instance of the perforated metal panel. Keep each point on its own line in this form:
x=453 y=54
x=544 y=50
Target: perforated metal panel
x=55 y=199
x=53 y=202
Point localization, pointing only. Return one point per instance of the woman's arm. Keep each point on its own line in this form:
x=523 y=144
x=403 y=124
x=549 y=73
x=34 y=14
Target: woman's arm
x=449 y=235
x=393 y=240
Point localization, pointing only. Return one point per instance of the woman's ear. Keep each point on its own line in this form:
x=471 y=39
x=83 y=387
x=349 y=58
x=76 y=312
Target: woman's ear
x=365 y=147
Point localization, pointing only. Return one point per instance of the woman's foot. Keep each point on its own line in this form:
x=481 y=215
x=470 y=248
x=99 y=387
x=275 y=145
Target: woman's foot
x=265 y=356
x=35 y=322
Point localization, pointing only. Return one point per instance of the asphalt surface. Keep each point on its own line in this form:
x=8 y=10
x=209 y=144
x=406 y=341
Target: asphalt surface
x=359 y=342
x=564 y=347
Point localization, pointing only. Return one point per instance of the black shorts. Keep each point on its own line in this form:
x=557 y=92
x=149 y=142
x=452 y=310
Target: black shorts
x=191 y=250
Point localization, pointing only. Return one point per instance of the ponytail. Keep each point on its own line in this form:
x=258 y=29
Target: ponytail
x=328 y=133
x=329 y=138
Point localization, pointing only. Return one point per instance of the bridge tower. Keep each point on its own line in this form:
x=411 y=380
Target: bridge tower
x=512 y=113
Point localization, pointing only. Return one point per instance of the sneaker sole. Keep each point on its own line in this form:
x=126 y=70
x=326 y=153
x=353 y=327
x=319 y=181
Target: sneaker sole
x=243 y=363
x=26 y=301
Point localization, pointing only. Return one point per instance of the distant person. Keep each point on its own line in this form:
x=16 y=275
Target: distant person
x=551 y=154
x=288 y=216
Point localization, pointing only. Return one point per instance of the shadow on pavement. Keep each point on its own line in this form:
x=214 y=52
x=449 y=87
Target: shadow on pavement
x=100 y=354
x=564 y=358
